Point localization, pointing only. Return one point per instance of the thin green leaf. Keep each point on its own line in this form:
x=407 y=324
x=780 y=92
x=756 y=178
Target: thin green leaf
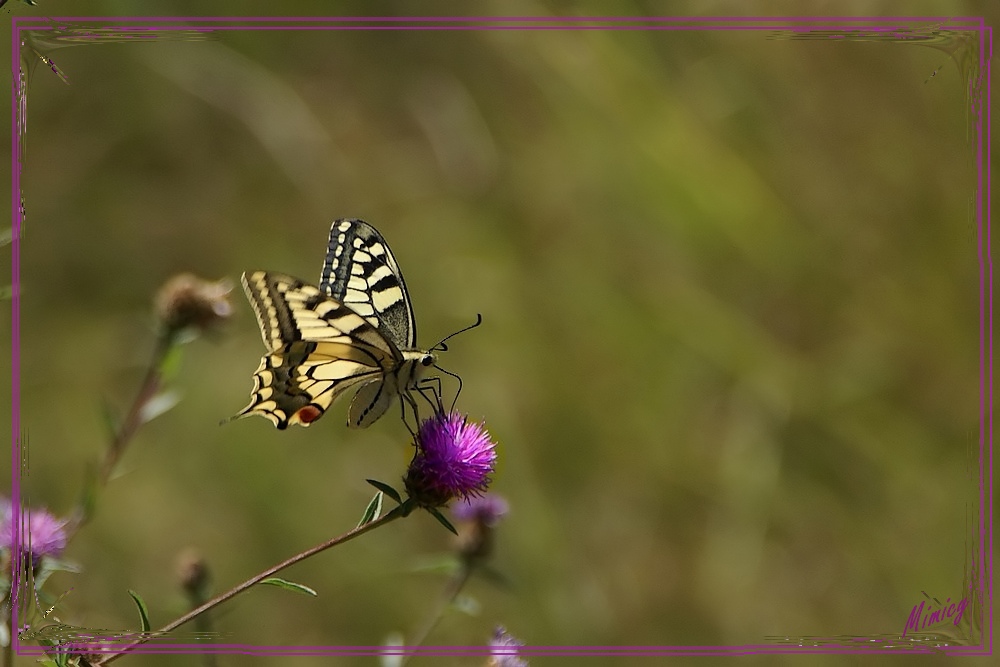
x=49 y=565
x=157 y=405
x=443 y=521
x=171 y=362
x=143 y=612
x=386 y=489
x=88 y=494
x=6 y=236
x=373 y=511
x=112 y=421
x=495 y=576
x=289 y=586
x=440 y=564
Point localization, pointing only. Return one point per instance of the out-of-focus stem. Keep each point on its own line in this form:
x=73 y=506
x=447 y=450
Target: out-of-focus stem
x=256 y=579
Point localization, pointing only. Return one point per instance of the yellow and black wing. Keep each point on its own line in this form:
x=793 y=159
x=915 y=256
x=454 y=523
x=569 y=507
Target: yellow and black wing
x=318 y=348
x=361 y=272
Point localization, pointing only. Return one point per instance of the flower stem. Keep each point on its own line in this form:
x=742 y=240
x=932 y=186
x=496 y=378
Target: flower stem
x=128 y=428
x=454 y=587
x=257 y=578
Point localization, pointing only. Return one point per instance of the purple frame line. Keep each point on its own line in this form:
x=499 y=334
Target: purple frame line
x=986 y=292
x=749 y=649
x=15 y=402
x=428 y=19
x=986 y=328
x=671 y=28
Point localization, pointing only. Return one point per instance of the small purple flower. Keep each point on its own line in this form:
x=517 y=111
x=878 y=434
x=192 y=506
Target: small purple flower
x=503 y=650
x=43 y=533
x=487 y=510
x=454 y=458
x=479 y=516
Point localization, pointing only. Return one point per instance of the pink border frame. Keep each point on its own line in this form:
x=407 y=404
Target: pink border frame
x=851 y=27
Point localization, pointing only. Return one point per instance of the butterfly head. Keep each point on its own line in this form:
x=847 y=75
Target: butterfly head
x=417 y=362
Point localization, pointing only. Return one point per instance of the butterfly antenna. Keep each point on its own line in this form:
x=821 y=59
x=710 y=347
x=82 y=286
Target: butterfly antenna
x=441 y=344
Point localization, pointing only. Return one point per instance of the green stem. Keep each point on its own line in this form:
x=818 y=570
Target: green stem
x=132 y=422
x=127 y=429
x=454 y=587
x=270 y=572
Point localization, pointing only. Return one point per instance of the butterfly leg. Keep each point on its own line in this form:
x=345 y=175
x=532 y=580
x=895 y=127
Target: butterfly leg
x=432 y=385
x=408 y=400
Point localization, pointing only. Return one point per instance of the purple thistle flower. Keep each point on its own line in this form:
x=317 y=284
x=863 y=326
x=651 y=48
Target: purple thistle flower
x=480 y=516
x=454 y=458
x=42 y=532
x=503 y=650
x=487 y=510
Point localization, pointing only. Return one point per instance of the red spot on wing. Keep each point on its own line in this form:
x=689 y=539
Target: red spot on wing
x=309 y=414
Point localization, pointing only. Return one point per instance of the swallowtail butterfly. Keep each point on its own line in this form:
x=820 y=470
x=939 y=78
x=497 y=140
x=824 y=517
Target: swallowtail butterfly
x=355 y=330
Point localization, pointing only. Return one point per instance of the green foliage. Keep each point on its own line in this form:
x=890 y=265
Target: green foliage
x=442 y=520
x=158 y=405
x=373 y=511
x=386 y=489
x=143 y=611
x=289 y=586
x=49 y=565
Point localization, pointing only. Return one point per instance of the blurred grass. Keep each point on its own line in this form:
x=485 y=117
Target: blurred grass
x=729 y=288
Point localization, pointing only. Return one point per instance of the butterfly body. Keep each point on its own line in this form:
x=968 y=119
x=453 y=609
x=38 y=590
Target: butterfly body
x=355 y=330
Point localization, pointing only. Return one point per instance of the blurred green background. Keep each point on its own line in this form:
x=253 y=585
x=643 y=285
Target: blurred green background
x=730 y=293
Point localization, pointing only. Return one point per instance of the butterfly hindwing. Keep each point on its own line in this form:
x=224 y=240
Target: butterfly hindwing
x=317 y=349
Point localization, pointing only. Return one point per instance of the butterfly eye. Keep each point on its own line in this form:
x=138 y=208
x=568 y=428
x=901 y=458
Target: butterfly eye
x=427 y=360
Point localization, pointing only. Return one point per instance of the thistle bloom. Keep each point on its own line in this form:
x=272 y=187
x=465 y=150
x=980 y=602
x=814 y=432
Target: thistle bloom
x=43 y=533
x=454 y=459
x=487 y=510
x=479 y=517
x=189 y=301
x=503 y=650
x=192 y=570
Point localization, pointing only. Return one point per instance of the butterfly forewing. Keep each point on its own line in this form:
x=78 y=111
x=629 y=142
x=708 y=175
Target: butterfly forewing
x=361 y=272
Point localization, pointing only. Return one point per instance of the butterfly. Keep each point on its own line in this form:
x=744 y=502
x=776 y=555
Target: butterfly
x=356 y=329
